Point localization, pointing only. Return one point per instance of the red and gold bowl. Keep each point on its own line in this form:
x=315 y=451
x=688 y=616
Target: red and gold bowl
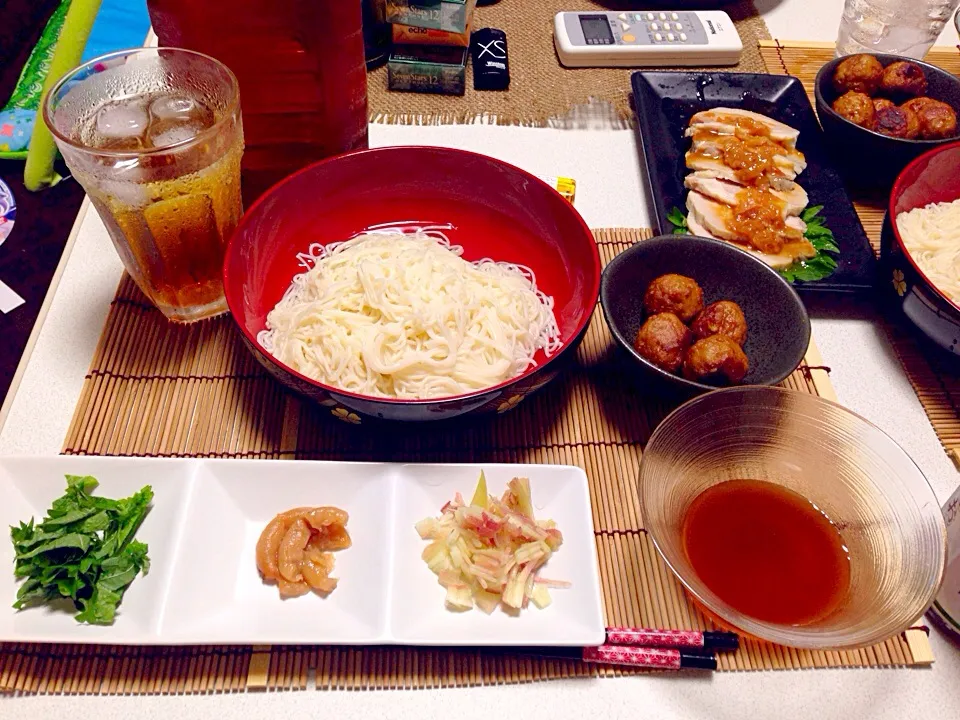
x=933 y=177
x=498 y=211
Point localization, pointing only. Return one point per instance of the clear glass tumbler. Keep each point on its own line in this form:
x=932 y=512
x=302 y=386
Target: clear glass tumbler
x=154 y=136
x=887 y=513
x=901 y=27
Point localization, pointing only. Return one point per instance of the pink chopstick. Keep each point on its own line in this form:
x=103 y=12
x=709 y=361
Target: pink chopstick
x=651 y=658
x=645 y=637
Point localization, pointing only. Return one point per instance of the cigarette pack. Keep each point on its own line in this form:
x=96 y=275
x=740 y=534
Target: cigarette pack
x=427 y=69
x=448 y=15
x=413 y=35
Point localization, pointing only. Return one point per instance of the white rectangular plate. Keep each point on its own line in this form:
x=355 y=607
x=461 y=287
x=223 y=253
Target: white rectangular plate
x=27 y=488
x=203 y=586
x=218 y=596
x=418 y=614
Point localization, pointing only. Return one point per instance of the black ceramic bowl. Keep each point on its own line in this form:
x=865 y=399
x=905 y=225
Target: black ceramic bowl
x=778 y=328
x=867 y=157
x=932 y=178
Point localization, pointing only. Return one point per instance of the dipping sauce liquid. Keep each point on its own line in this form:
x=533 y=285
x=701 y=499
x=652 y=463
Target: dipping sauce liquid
x=767 y=551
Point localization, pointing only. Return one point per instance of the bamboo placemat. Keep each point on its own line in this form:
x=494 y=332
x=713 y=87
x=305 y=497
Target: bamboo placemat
x=542 y=92
x=936 y=381
x=162 y=390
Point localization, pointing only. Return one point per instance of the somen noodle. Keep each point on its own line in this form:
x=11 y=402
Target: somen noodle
x=402 y=315
x=932 y=237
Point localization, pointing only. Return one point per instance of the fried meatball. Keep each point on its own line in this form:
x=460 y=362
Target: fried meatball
x=899 y=122
x=903 y=79
x=674 y=293
x=663 y=340
x=717 y=360
x=881 y=103
x=937 y=119
x=857 y=107
x=721 y=318
x=859 y=73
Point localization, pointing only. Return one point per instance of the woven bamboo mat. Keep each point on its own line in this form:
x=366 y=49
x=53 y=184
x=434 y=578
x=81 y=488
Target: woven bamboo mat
x=935 y=379
x=542 y=92
x=163 y=390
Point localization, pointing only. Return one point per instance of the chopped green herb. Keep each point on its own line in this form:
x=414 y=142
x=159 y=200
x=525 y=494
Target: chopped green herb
x=821 y=237
x=679 y=221
x=82 y=550
x=810 y=213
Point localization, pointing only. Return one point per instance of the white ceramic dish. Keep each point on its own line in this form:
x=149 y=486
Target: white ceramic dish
x=203 y=586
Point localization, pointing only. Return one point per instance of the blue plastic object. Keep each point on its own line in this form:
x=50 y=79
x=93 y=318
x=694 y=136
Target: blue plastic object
x=119 y=24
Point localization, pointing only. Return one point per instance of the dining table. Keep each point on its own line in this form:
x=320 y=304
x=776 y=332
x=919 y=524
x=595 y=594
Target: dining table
x=612 y=191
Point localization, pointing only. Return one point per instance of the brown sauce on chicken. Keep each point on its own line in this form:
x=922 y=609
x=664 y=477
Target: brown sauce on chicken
x=752 y=158
x=749 y=152
x=758 y=218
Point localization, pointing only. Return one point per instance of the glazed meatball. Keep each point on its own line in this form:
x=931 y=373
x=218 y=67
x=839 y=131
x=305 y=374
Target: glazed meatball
x=859 y=73
x=715 y=360
x=674 y=293
x=882 y=103
x=721 y=318
x=937 y=119
x=856 y=107
x=903 y=79
x=663 y=340
x=900 y=122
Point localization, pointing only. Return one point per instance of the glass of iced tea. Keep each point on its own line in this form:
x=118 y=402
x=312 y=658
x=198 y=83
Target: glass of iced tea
x=154 y=136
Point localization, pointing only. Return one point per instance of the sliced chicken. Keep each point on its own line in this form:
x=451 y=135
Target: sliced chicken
x=697 y=229
x=777 y=183
x=786 y=258
x=701 y=161
x=791 y=162
x=723 y=191
x=794 y=199
x=709 y=218
x=799 y=250
x=759 y=206
x=795 y=223
x=724 y=120
x=714 y=166
x=711 y=215
x=716 y=217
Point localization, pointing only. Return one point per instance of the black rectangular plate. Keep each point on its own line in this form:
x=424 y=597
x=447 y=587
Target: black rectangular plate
x=665 y=102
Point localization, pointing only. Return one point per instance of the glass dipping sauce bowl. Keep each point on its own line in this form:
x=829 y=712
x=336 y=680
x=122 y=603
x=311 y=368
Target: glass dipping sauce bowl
x=886 y=511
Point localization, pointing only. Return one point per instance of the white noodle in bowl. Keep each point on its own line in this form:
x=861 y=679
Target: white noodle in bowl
x=931 y=235
x=402 y=315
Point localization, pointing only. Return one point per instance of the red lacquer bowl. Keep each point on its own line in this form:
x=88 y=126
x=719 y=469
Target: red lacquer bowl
x=497 y=210
x=933 y=177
